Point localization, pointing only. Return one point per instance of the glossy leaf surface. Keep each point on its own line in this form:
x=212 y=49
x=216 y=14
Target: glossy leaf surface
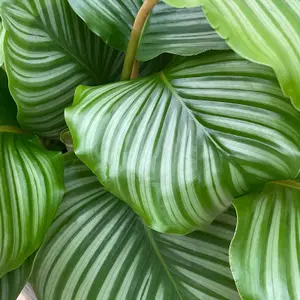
x=13 y=282
x=183 y=3
x=31 y=191
x=168 y=29
x=31 y=181
x=97 y=248
x=2 y=34
x=178 y=146
x=265 y=255
x=264 y=31
x=49 y=51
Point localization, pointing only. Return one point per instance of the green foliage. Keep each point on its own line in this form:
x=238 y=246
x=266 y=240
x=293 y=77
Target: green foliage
x=142 y=209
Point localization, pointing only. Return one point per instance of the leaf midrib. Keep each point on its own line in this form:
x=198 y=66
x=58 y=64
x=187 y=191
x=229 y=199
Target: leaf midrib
x=65 y=49
x=161 y=259
x=166 y=81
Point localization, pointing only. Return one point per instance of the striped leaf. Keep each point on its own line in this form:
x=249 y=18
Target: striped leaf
x=97 y=248
x=178 y=146
x=168 y=29
x=264 y=31
x=13 y=282
x=31 y=191
x=31 y=187
x=2 y=34
x=183 y=3
x=265 y=253
x=48 y=52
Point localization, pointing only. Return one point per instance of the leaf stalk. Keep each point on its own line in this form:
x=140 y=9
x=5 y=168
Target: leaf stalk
x=134 y=40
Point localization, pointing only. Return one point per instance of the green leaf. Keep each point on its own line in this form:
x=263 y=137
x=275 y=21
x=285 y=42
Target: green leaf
x=183 y=3
x=265 y=253
x=97 y=248
x=2 y=34
x=8 y=108
x=178 y=146
x=31 y=181
x=13 y=282
x=264 y=31
x=168 y=29
x=48 y=52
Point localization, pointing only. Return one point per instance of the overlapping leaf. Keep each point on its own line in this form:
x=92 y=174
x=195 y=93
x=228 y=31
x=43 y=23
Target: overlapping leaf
x=178 y=146
x=31 y=181
x=264 y=31
x=97 y=248
x=2 y=34
x=265 y=254
x=183 y=3
x=168 y=29
x=48 y=52
x=13 y=282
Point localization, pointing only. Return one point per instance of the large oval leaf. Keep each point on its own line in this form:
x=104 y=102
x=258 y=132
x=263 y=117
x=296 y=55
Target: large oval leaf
x=178 y=146
x=13 y=282
x=265 y=254
x=47 y=57
x=97 y=248
x=31 y=181
x=264 y=31
x=168 y=29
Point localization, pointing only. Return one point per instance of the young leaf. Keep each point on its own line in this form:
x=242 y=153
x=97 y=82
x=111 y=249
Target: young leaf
x=265 y=254
x=13 y=282
x=264 y=31
x=168 y=29
x=48 y=52
x=178 y=146
x=31 y=181
x=97 y=248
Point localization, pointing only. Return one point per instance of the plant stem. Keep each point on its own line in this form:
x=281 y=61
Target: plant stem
x=136 y=33
x=135 y=70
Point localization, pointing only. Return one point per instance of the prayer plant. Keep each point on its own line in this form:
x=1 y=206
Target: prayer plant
x=150 y=149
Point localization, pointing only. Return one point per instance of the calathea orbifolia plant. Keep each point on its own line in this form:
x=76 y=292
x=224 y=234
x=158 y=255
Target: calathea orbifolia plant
x=176 y=110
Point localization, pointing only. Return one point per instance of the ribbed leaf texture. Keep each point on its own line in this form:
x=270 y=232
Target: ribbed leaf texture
x=168 y=29
x=180 y=145
x=183 y=3
x=264 y=31
x=31 y=188
x=265 y=254
x=97 y=248
x=13 y=282
x=49 y=51
x=31 y=181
